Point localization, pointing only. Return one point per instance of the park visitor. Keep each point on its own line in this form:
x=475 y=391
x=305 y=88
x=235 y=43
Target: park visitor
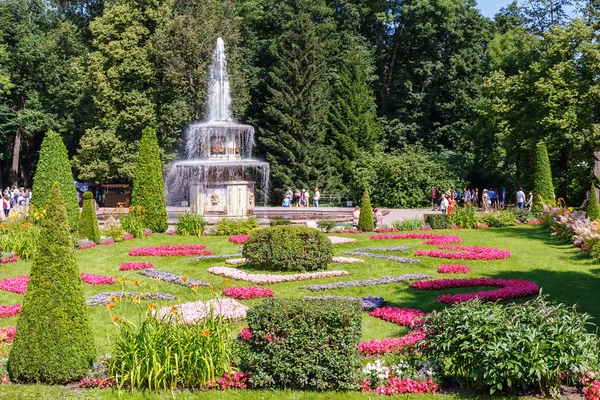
x=485 y=200
x=296 y=198
x=316 y=197
x=379 y=217
x=466 y=196
x=433 y=198
x=288 y=193
x=520 y=199
x=6 y=205
x=355 y=216
x=476 y=198
x=444 y=204
x=287 y=202
x=530 y=200
x=306 y=198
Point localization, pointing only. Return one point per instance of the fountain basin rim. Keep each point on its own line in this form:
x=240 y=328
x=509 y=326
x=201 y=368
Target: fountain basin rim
x=226 y=124
x=239 y=162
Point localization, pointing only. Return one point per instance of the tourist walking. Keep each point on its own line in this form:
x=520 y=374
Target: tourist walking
x=6 y=204
x=485 y=200
x=492 y=198
x=355 y=216
x=530 y=200
x=288 y=193
x=296 y=198
x=306 y=198
x=379 y=217
x=316 y=197
x=434 y=195
x=520 y=199
x=467 y=196
x=476 y=198
x=444 y=204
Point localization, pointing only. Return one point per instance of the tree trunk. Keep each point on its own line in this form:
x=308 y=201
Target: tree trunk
x=597 y=171
x=14 y=171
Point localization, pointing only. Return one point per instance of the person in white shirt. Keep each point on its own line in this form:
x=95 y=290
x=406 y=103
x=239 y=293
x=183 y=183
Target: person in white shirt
x=520 y=199
x=444 y=204
x=316 y=197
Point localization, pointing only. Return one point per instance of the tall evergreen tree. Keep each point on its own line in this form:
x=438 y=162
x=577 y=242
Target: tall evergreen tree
x=53 y=166
x=297 y=108
x=543 y=189
x=365 y=218
x=53 y=342
x=88 y=223
x=148 y=185
x=593 y=208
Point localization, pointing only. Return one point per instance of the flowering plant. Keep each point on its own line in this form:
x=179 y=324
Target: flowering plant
x=10 y=310
x=11 y=259
x=233 y=380
x=385 y=380
x=453 y=269
x=107 y=242
x=195 y=311
x=386 y=230
x=367 y=303
x=15 y=284
x=368 y=282
x=349 y=231
x=7 y=334
x=236 y=261
x=247 y=292
x=134 y=265
x=466 y=253
x=433 y=238
x=86 y=246
x=593 y=391
x=346 y=260
x=128 y=236
x=401 y=316
x=148 y=232
x=391 y=345
x=509 y=289
x=261 y=279
x=238 y=239
x=340 y=240
x=426 y=228
x=99 y=383
x=171 y=250
x=93 y=279
x=173 y=278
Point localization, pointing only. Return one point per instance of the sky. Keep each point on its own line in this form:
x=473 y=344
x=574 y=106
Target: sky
x=489 y=8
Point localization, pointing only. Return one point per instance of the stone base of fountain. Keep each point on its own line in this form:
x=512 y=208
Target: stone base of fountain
x=227 y=199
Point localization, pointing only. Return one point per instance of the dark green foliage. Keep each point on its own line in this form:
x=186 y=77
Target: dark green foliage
x=148 y=186
x=438 y=221
x=229 y=226
x=365 y=219
x=499 y=219
x=190 y=224
x=465 y=217
x=511 y=348
x=327 y=225
x=53 y=343
x=523 y=215
x=88 y=223
x=593 y=209
x=288 y=248
x=53 y=166
x=278 y=222
x=304 y=344
x=133 y=222
x=543 y=189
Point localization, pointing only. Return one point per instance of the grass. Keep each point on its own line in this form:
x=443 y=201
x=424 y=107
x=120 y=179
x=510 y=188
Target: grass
x=565 y=273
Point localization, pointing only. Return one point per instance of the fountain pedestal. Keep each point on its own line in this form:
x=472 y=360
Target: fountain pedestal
x=231 y=199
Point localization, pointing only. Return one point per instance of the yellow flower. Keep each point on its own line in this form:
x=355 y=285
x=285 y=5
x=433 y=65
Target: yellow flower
x=115 y=298
x=173 y=309
x=195 y=287
x=152 y=307
x=205 y=332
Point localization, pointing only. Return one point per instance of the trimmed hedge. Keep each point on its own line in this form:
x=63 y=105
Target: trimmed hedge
x=148 y=185
x=288 y=248
x=54 y=166
x=280 y=222
x=499 y=219
x=53 y=343
x=229 y=227
x=88 y=223
x=543 y=189
x=365 y=219
x=438 y=221
x=593 y=209
x=303 y=344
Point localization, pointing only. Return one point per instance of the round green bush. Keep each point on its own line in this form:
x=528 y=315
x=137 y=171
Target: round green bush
x=288 y=248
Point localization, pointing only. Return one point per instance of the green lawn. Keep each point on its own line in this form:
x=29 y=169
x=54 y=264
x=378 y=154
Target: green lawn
x=565 y=273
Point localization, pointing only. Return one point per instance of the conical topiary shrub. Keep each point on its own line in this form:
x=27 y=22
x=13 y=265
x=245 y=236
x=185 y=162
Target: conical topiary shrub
x=53 y=341
x=88 y=223
x=148 y=186
x=53 y=166
x=365 y=220
x=543 y=189
x=593 y=210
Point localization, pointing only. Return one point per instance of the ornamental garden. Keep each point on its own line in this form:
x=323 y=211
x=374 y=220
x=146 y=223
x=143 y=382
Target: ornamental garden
x=501 y=303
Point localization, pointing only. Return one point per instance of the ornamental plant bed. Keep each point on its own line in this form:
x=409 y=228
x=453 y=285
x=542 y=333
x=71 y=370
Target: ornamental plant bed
x=432 y=238
x=7 y=334
x=11 y=259
x=107 y=297
x=93 y=279
x=509 y=289
x=172 y=278
x=384 y=346
x=465 y=253
x=453 y=269
x=135 y=265
x=238 y=239
x=400 y=316
x=171 y=250
x=367 y=303
x=191 y=312
x=7 y=311
x=346 y=260
x=340 y=240
x=384 y=280
x=263 y=279
x=404 y=260
x=247 y=292
x=15 y=284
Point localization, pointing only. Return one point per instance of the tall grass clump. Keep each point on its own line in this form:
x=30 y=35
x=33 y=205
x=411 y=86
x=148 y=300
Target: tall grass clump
x=409 y=224
x=165 y=354
x=190 y=224
x=465 y=217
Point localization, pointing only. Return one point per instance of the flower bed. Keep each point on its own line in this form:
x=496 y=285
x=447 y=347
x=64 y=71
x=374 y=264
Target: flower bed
x=10 y=310
x=400 y=316
x=215 y=256
x=340 y=240
x=262 y=279
x=172 y=278
x=509 y=289
x=135 y=265
x=15 y=284
x=383 y=249
x=128 y=236
x=367 y=303
x=349 y=231
x=7 y=334
x=401 y=386
x=86 y=246
x=148 y=232
x=368 y=282
x=238 y=239
x=432 y=238
x=346 y=260
x=107 y=242
x=535 y=222
x=482 y=226
x=248 y=292
x=107 y=297
x=386 y=230
x=593 y=391
x=426 y=228
x=93 y=279
x=466 y=253
x=171 y=251
x=198 y=310
x=236 y=261
x=404 y=260
x=96 y=383
x=453 y=269
x=11 y=259
x=390 y=345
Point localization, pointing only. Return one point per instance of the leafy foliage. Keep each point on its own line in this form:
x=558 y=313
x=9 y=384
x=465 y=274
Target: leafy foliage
x=593 y=209
x=303 y=344
x=88 y=223
x=499 y=219
x=228 y=226
x=365 y=218
x=148 y=186
x=438 y=221
x=53 y=166
x=409 y=224
x=288 y=248
x=190 y=224
x=133 y=222
x=511 y=348
x=54 y=341
x=465 y=217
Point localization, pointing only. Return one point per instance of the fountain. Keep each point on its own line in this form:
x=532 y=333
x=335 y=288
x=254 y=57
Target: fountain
x=218 y=176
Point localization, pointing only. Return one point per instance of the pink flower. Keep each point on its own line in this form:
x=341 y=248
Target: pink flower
x=432 y=238
x=7 y=334
x=247 y=292
x=239 y=239
x=236 y=380
x=6 y=260
x=93 y=279
x=426 y=228
x=509 y=289
x=86 y=246
x=402 y=386
x=9 y=311
x=593 y=391
x=16 y=284
x=386 y=230
x=101 y=383
x=390 y=345
x=245 y=334
x=128 y=236
x=453 y=269
x=455 y=227
x=171 y=251
x=107 y=242
x=482 y=226
x=170 y=233
x=133 y=265
x=535 y=222
x=400 y=316
x=466 y=253
x=148 y=232
x=340 y=240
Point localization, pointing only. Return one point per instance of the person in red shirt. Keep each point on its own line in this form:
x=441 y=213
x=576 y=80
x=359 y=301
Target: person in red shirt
x=433 y=198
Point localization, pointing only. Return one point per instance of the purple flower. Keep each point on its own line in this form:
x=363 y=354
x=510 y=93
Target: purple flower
x=169 y=277
x=369 y=282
